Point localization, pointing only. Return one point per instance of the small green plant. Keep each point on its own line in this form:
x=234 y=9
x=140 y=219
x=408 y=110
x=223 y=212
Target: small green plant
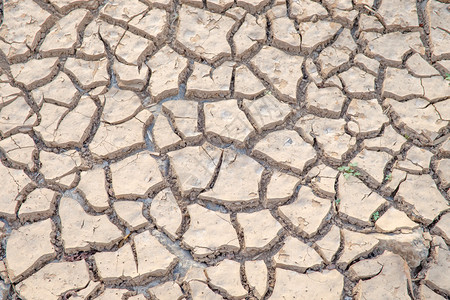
x=376 y=216
x=407 y=136
x=349 y=170
x=337 y=201
x=388 y=177
x=447 y=77
x=267 y=92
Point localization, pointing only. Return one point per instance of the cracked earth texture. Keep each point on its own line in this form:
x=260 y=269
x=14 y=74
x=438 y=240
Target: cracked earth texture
x=220 y=149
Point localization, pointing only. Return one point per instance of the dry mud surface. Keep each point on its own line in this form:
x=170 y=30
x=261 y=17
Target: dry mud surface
x=220 y=149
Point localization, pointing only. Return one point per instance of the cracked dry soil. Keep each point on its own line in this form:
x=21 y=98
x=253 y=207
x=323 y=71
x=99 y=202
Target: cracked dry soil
x=224 y=149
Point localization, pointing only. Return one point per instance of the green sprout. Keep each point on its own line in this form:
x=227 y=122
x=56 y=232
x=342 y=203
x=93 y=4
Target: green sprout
x=376 y=216
x=447 y=77
x=407 y=136
x=337 y=201
x=349 y=170
x=388 y=177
